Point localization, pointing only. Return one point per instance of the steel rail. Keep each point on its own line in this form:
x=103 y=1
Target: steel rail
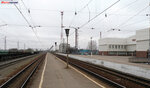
x=137 y=80
x=8 y=82
x=30 y=75
x=9 y=63
x=110 y=82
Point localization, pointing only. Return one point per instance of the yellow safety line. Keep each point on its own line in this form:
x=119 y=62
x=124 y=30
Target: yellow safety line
x=83 y=74
x=43 y=72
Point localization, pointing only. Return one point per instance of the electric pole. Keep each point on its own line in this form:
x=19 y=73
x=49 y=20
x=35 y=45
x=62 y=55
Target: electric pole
x=149 y=36
x=76 y=38
x=5 y=45
x=91 y=47
x=24 y=46
x=18 y=45
x=100 y=35
x=62 y=13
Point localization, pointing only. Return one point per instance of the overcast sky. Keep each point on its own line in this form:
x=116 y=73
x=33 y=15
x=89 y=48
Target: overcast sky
x=126 y=15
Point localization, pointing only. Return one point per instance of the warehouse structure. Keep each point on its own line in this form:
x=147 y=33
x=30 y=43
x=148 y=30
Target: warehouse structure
x=137 y=45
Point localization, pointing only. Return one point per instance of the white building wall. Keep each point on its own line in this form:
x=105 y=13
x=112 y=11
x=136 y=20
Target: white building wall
x=112 y=44
x=131 y=40
x=131 y=47
x=131 y=43
x=142 y=40
x=103 y=47
x=117 y=47
x=112 y=41
x=138 y=42
x=142 y=45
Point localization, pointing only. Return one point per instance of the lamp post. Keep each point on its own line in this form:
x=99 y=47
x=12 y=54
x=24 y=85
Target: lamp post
x=55 y=46
x=67 y=34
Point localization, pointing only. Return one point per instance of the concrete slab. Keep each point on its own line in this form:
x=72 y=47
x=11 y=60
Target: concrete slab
x=116 y=59
x=117 y=63
x=57 y=76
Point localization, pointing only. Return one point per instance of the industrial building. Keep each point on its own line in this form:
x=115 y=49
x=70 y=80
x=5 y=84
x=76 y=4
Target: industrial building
x=137 y=45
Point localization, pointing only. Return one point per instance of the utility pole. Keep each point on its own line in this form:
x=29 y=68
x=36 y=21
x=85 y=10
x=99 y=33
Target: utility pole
x=24 y=46
x=62 y=13
x=149 y=36
x=63 y=46
x=76 y=38
x=5 y=45
x=100 y=35
x=91 y=47
x=18 y=45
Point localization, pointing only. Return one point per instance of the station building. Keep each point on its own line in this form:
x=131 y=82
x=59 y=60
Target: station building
x=137 y=45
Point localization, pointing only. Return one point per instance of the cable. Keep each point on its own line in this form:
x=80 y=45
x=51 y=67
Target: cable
x=134 y=22
x=22 y=15
x=28 y=10
x=76 y=13
x=126 y=6
x=99 y=14
x=28 y=24
x=132 y=17
x=118 y=10
x=85 y=6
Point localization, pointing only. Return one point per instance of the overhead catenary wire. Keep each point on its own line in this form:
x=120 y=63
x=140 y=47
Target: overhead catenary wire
x=76 y=13
x=135 y=22
x=28 y=10
x=85 y=6
x=22 y=15
x=99 y=14
x=133 y=16
x=126 y=6
x=117 y=11
x=28 y=23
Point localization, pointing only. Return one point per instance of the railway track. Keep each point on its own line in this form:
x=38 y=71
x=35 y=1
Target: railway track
x=20 y=79
x=112 y=77
x=15 y=61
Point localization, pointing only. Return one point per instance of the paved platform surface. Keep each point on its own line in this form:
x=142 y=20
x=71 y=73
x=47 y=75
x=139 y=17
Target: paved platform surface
x=55 y=75
x=117 y=59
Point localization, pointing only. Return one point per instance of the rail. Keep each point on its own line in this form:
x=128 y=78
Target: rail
x=110 y=76
x=27 y=72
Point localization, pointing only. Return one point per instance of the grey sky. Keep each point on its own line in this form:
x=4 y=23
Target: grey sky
x=46 y=13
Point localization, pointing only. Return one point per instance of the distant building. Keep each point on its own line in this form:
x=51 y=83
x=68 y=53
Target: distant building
x=63 y=47
x=135 y=45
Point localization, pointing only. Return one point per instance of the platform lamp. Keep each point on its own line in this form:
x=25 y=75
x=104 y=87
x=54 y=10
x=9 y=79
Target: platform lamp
x=67 y=34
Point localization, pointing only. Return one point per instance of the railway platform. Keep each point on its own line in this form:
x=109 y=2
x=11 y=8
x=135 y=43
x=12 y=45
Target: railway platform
x=119 y=63
x=115 y=59
x=53 y=74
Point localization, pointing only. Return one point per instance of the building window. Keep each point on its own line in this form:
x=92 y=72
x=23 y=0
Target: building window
x=121 y=46
x=124 y=47
x=110 y=46
x=115 y=46
x=118 y=46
